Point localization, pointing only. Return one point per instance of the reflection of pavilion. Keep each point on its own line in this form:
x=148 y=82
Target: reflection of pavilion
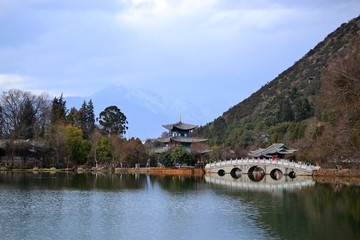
x=267 y=184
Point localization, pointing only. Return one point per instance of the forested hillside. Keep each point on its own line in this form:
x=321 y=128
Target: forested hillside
x=313 y=106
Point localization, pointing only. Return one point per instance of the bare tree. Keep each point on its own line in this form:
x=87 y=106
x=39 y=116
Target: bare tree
x=16 y=105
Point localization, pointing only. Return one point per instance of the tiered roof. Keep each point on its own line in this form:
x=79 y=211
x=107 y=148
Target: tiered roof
x=181 y=139
x=181 y=136
x=276 y=148
x=181 y=126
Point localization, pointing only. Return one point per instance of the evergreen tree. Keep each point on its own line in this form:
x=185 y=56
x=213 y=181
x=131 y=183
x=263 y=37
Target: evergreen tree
x=85 y=118
x=27 y=120
x=73 y=117
x=58 y=110
x=82 y=119
x=90 y=118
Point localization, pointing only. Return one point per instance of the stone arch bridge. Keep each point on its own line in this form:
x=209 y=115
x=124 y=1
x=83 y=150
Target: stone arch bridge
x=266 y=166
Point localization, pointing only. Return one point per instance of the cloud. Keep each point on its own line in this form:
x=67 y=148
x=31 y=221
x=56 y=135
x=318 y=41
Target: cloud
x=159 y=14
x=194 y=57
x=10 y=81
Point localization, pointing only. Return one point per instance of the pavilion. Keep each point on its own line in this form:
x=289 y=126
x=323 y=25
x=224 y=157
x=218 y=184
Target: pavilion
x=178 y=134
x=276 y=150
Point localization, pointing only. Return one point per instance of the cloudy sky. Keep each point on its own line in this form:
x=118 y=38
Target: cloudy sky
x=194 y=58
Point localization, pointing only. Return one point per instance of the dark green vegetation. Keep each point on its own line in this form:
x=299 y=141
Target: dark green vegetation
x=314 y=106
x=177 y=155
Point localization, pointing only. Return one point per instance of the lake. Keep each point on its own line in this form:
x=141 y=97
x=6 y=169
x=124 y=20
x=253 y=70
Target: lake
x=138 y=206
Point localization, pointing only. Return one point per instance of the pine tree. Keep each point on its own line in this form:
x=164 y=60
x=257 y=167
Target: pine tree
x=90 y=118
x=27 y=120
x=58 y=110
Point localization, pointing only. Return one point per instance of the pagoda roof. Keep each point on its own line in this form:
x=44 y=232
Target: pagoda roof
x=180 y=125
x=188 y=139
x=181 y=139
x=276 y=148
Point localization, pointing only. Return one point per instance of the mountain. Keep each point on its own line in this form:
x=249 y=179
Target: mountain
x=302 y=106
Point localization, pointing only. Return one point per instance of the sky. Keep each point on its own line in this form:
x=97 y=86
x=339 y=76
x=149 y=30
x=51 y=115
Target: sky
x=188 y=58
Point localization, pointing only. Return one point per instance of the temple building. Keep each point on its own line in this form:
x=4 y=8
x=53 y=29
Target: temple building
x=276 y=150
x=178 y=134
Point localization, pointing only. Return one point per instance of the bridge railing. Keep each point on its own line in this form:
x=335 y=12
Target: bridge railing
x=281 y=162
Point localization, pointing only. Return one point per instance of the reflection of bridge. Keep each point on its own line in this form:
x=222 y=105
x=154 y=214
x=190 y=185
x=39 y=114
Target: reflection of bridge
x=267 y=184
x=267 y=166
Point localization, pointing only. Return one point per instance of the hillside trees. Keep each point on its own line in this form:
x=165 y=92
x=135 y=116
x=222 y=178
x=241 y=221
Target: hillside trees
x=340 y=121
x=312 y=106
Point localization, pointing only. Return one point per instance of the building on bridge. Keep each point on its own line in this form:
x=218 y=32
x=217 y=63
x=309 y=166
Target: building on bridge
x=276 y=150
x=179 y=134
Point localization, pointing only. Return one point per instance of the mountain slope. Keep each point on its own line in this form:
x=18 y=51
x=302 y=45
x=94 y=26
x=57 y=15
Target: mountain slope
x=291 y=107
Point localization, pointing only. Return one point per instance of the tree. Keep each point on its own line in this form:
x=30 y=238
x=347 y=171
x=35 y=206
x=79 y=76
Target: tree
x=340 y=136
x=27 y=120
x=113 y=121
x=72 y=117
x=82 y=119
x=42 y=110
x=23 y=111
x=165 y=159
x=104 y=150
x=58 y=110
x=135 y=153
x=118 y=151
x=181 y=155
x=78 y=148
x=86 y=118
x=94 y=141
x=56 y=141
x=12 y=104
x=90 y=118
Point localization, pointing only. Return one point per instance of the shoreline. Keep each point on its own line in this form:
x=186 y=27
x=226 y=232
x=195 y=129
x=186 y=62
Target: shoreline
x=330 y=175
x=323 y=175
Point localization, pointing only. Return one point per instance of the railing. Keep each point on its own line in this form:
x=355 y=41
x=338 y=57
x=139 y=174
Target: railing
x=281 y=162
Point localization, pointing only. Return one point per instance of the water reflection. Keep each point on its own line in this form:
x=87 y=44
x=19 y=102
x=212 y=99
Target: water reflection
x=100 y=181
x=260 y=182
x=135 y=206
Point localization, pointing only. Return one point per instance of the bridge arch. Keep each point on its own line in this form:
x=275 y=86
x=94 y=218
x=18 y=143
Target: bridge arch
x=256 y=173
x=221 y=172
x=276 y=174
x=292 y=174
x=236 y=172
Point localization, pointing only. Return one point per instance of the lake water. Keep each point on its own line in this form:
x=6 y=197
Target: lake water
x=130 y=206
